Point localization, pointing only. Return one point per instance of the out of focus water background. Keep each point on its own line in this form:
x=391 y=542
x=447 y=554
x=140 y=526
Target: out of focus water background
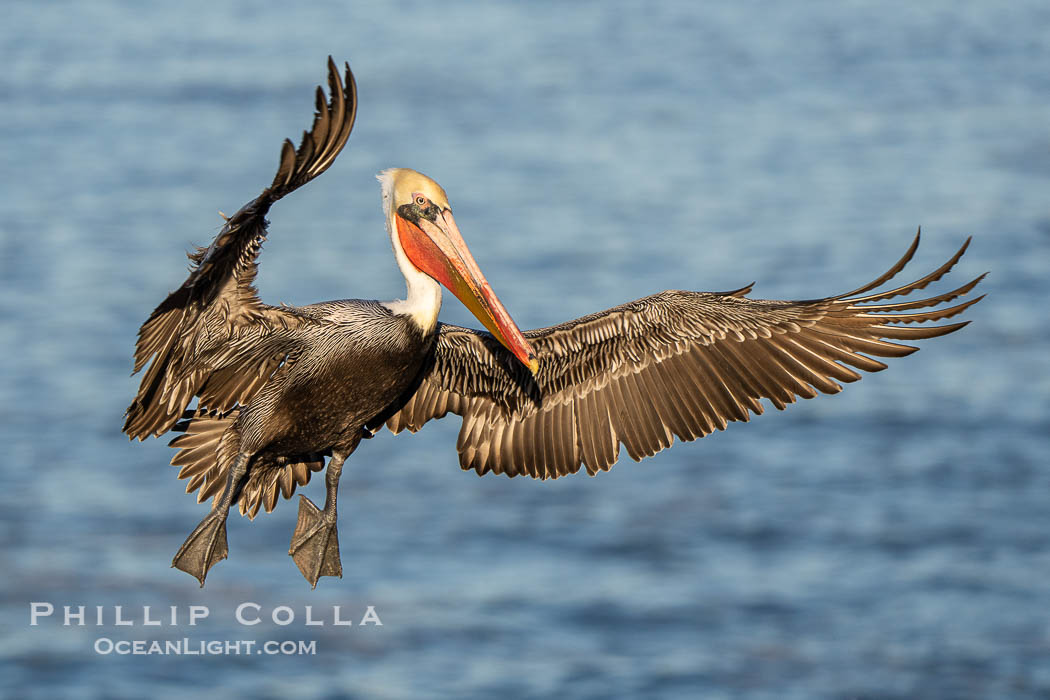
x=889 y=542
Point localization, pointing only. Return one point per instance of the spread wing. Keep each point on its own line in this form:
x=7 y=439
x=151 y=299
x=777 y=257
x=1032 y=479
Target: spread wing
x=213 y=337
x=676 y=364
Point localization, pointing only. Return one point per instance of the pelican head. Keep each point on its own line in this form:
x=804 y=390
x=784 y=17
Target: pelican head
x=427 y=243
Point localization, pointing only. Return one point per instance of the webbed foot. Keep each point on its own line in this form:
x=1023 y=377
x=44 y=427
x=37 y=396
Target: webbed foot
x=205 y=547
x=315 y=542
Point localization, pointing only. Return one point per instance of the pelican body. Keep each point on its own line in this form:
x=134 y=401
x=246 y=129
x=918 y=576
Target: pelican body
x=279 y=389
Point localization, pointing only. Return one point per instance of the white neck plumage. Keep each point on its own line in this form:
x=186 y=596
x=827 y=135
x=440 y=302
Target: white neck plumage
x=422 y=300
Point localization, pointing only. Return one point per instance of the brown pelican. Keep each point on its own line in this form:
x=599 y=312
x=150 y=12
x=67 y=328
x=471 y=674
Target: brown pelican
x=281 y=388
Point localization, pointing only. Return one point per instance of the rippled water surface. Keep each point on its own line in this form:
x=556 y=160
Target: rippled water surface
x=891 y=541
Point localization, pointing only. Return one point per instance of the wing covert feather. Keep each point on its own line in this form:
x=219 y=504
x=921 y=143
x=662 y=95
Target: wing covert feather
x=675 y=364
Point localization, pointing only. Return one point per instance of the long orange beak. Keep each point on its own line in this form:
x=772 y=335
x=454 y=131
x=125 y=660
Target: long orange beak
x=438 y=249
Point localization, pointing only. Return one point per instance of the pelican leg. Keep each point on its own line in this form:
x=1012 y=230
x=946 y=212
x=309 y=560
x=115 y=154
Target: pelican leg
x=315 y=542
x=206 y=545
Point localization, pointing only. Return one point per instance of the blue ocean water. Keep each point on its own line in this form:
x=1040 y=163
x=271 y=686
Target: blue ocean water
x=892 y=541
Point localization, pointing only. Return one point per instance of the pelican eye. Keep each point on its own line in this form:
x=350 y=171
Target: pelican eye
x=421 y=200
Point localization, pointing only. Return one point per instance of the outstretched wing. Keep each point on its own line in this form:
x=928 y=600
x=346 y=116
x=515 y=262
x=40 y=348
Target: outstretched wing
x=212 y=337
x=674 y=364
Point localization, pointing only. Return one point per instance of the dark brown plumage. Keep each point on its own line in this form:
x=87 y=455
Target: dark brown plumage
x=280 y=389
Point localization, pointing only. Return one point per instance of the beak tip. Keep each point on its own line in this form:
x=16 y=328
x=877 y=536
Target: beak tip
x=534 y=364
